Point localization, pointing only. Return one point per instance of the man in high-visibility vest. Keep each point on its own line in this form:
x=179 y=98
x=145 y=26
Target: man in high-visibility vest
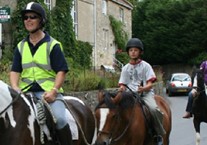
x=39 y=62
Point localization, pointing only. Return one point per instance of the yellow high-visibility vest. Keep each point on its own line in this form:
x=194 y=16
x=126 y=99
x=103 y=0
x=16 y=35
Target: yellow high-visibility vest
x=37 y=68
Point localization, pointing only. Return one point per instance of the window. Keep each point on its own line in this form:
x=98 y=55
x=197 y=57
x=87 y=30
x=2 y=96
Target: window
x=75 y=17
x=48 y=3
x=121 y=14
x=106 y=39
x=104 y=7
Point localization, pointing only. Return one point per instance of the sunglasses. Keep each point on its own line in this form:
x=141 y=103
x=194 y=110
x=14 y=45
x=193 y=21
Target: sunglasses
x=30 y=17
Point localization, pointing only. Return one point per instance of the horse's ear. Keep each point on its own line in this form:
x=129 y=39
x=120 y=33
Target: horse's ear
x=100 y=95
x=117 y=98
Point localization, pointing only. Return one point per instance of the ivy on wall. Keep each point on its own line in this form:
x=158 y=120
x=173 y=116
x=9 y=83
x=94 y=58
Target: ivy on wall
x=119 y=33
x=121 y=38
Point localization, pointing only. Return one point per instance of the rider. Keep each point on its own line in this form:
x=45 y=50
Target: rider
x=136 y=72
x=39 y=63
x=193 y=92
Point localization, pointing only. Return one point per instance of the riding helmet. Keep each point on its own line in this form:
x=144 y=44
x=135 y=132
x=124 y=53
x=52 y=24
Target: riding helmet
x=36 y=8
x=134 y=42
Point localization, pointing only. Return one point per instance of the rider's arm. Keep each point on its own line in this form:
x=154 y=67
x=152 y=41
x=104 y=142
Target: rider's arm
x=145 y=88
x=14 y=80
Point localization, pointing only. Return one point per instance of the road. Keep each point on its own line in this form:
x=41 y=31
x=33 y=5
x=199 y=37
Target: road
x=183 y=132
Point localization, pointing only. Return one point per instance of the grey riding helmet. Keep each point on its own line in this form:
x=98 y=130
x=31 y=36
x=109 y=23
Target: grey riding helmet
x=134 y=42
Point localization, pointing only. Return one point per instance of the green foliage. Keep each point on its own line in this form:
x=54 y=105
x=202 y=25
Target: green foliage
x=85 y=52
x=84 y=80
x=122 y=57
x=172 y=31
x=61 y=27
x=119 y=33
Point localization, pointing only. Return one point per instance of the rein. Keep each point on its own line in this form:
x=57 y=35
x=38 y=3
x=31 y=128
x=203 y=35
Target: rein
x=78 y=123
x=139 y=98
x=15 y=99
x=126 y=128
x=113 y=140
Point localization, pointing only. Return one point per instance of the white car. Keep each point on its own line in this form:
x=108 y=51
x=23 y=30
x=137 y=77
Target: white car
x=179 y=83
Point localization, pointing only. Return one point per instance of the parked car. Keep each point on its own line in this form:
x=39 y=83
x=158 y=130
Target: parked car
x=178 y=83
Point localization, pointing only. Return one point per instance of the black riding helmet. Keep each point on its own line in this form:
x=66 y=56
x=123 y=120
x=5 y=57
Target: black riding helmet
x=134 y=42
x=36 y=8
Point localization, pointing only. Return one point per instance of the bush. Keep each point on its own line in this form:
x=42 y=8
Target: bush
x=84 y=80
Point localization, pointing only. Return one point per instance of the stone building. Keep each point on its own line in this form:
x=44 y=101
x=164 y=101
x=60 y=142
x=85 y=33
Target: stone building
x=91 y=24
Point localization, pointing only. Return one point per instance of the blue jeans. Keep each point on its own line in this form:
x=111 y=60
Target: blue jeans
x=190 y=102
x=58 y=109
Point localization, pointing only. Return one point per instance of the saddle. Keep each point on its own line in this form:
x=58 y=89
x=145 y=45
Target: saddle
x=47 y=121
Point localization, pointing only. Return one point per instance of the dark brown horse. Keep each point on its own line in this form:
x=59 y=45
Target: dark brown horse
x=199 y=105
x=121 y=120
x=18 y=124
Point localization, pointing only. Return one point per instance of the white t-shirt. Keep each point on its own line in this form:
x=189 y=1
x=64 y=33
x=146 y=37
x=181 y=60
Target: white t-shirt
x=133 y=74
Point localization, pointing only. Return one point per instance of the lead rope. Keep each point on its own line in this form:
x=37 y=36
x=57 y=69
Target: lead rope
x=41 y=117
x=79 y=126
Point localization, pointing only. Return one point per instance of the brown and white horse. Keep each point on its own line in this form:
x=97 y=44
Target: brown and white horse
x=121 y=120
x=19 y=126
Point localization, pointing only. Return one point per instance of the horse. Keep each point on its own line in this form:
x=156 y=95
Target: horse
x=19 y=124
x=199 y=108
x=123 y=119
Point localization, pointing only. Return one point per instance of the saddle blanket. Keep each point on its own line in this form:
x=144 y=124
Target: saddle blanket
x=73 y=125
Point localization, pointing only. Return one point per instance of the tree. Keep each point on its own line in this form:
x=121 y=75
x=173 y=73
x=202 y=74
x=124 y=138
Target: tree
x=172 y=31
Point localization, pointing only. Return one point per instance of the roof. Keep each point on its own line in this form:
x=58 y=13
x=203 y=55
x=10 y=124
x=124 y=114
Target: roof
x=123 y=3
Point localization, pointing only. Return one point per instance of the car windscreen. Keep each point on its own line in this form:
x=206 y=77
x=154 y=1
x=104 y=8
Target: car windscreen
x=181 y=78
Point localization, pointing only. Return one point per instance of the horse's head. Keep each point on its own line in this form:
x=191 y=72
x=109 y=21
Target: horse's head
x=16 y=115
x=200 y=80
x=6 y=99
x=112 y=116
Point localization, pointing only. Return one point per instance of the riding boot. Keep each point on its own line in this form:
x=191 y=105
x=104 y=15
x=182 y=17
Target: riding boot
x=158 y=140
x=157 y=119
x=64 y=135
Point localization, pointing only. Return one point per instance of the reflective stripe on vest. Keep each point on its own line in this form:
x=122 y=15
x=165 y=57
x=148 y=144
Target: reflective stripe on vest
x=37 y=68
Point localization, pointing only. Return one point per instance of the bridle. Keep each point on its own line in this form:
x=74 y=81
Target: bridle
x=110 y=133
x=15 y=99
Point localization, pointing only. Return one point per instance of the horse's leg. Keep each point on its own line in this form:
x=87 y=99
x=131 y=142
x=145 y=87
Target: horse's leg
x=197 y=129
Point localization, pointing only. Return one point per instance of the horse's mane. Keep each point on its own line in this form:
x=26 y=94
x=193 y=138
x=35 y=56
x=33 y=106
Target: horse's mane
x=126 y=101
x=107 y=100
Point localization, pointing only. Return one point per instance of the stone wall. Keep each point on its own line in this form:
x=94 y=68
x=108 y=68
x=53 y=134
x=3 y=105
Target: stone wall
x=90 y=97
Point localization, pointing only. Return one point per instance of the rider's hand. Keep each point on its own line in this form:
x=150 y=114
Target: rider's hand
x=50 y=96
x=122 y=88
x=141 y=89
x=194 y=92
x=17 y=89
